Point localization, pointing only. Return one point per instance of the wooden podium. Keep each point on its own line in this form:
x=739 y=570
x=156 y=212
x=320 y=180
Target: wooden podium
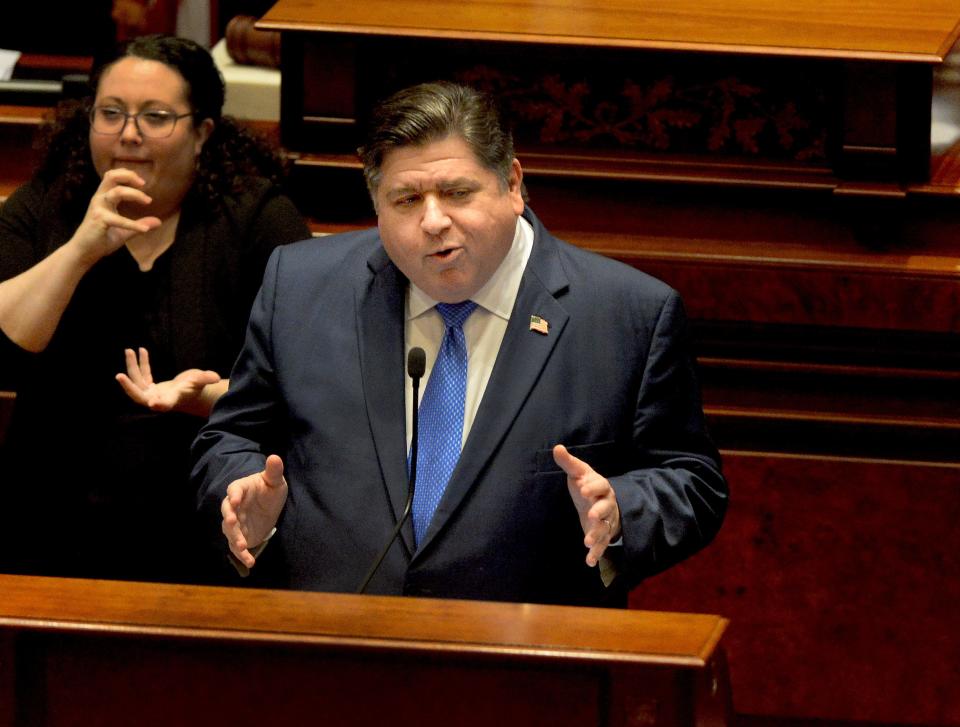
x=103 y=653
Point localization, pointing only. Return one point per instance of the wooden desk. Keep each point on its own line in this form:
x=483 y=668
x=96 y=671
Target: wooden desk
x=844 y=88
x=95 y=652
x=923 y=31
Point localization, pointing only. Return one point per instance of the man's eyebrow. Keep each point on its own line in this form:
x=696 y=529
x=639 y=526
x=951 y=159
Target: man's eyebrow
x=459 y=182
x=444 y=185
x=402 y=191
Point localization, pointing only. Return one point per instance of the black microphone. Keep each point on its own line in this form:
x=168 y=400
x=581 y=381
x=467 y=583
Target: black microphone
x=416 y=366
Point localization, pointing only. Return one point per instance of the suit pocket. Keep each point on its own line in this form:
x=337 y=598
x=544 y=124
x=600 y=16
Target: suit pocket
x=602 y=456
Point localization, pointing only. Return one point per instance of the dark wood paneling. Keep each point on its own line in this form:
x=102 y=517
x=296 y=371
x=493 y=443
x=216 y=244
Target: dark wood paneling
x=841 y=579
x=185 y=683
x=18 y=126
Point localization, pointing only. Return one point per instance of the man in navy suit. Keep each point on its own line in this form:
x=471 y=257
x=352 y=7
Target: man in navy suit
x=583 y=436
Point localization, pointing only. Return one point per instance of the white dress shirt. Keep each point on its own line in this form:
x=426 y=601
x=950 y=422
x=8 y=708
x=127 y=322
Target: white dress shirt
x=483 y=330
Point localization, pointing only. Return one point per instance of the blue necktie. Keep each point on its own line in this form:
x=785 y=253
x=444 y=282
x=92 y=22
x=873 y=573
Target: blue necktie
x=441 y=416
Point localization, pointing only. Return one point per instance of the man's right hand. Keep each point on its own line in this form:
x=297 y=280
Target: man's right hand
x=252 y=508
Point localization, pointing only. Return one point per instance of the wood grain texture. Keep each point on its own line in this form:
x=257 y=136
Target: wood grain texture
x=238 y=685
x=841 y=579
x=93 y=652
x=883 y=29
x=373 y=621
x=18 y=128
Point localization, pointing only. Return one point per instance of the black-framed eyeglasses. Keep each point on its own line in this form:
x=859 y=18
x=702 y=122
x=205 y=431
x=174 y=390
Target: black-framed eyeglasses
x=151 y=123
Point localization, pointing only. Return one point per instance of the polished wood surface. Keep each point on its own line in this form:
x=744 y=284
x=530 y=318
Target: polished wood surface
x=94 y=652
x=922 y=31
x=374 y=621
x=783 y=94
x=18 y=127
x=22 y=115
x=56 y=65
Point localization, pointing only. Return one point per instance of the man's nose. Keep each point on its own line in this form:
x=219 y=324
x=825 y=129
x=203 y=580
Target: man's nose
x=435 y=219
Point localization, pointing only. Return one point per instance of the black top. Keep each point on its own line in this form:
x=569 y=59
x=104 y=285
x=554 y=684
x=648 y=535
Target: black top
x=97 y=485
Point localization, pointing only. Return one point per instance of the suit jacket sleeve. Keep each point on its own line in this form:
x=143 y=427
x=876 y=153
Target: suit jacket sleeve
x=239 y=434
x=673 y=501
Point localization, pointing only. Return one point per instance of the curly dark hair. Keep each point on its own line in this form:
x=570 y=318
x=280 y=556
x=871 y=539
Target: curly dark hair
x=231 y=155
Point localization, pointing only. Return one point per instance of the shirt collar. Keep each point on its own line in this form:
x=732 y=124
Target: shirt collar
x=499 y=293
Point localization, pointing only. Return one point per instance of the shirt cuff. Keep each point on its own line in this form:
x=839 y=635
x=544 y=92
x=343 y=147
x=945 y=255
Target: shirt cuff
x=255 y=551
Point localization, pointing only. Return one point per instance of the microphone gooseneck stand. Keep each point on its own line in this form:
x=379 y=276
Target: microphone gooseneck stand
x=416 y=365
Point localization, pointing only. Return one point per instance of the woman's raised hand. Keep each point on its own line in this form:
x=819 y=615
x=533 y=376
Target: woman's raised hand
x=104 y=229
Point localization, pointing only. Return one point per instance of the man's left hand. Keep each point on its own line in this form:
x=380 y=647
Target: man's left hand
x=595 y=500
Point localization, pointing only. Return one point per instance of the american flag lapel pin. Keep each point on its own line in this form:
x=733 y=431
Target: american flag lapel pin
x=539 y=325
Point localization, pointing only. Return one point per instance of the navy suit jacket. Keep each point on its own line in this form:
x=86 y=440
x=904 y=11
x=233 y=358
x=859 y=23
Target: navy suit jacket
x=320 y=381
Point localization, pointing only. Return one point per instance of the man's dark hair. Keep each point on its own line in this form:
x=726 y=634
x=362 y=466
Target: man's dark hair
x=430 y=112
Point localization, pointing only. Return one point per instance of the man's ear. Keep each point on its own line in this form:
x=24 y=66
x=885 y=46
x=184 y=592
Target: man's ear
x=515 y=187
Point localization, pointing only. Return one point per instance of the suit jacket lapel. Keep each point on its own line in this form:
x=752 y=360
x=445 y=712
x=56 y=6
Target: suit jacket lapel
x=521 y=359
x=380 y=312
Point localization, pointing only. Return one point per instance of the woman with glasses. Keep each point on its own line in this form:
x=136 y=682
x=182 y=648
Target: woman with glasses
x=129 y=264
